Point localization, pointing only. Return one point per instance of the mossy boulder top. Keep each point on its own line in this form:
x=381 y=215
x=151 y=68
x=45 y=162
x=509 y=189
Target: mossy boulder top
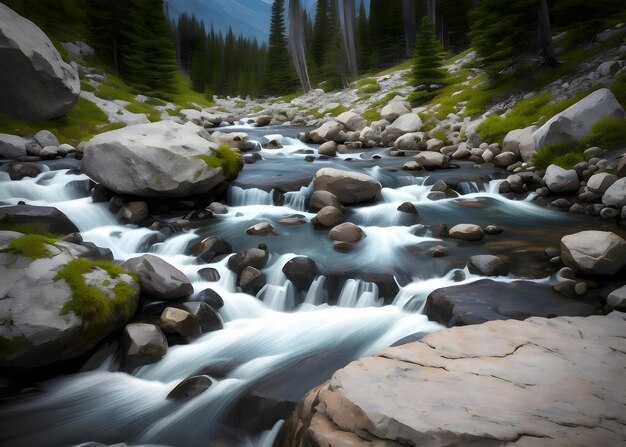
x=54 y=304
x=153 y=160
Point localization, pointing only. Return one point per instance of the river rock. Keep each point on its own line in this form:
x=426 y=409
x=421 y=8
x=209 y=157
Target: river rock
x=404 y=124
x=466 y=232
x=349 y=187
x=599 y=183
x=133 y=212
x=410 y=141
x=263 y=120
x=190 y=388
x=432 y=160
x=17 y=171
x=143 y=344
x=45 y=138
x=253 y=257
x=210 y=297
x=207 y=317
x=487 y=265
x=251 y=280
x=179 y=322
x=236 y=140
x=321 y=199
x=559 y=180
x=37 y=85
x=159 y=280
x=301 y=271
x=617 y=299
x=48 y=217
x=485 y=385
x=505 y=159
x=520 y=142
x=326 y=132
x=329 y=149
x=576 y=121
x=347 y=232
x=352 y=122
x=487 y=300
x=260 y=229
x=12 y=146
x=594 y=252
x=152 y=160
x=210 y=248
x=328 y=216
x=394 y=109
x=615 y=195
x=43 y=321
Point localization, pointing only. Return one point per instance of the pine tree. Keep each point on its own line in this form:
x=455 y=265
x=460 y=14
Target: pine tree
x=319 y=41
x=364 y=50
x=280 y=77
x=427 y=57
x=333 y=70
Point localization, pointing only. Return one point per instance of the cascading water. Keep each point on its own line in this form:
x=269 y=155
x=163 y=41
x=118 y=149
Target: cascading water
x=275 y=346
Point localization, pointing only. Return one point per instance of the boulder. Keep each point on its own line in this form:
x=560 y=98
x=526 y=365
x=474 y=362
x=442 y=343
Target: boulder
x=253 y=257
x=159 y=280
x=466 y=232
x=349 y=187
x=432 y=160
x=521 y=142
x=328 y=216
x=617 y=299
x=347 y=232
x=576 y=121
x=133 y=212
x=48 y=217
x=352 y=122
x=559 y=180
x=301 y=271
x=236 y=140
x=501 y=383
x=594 y=252
x=207 y=317
x=153 y=160
x=46 y=138
x=179 y=322
x=43 y=320
x=260 y=229
x=17 y=171
x=326 y=132
x=263 y=120
x=404 y=124
x=211 y=298
x=505 y=159
x=329 y=149
x=143 y=344
x=321 y=199
x=210 y=248
x=434 y=145
x=599 y=183
x=487 y=300
x=37 y=85
x=487 y=265
x=410 y=141
x=615 y=195
x=394 y=109
x=251 y=280
x=12 y=146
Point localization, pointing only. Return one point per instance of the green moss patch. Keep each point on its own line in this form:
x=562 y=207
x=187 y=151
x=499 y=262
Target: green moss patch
x=7 y=224
x=145 y=108
x=371 y=115
x=223 y=157
x=32 y=246
x=89 y=302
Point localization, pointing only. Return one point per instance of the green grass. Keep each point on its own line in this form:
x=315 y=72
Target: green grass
x=114 y=88
x=607 y=133
x=27 y=228
x=87 y=87
x=371 y=115
x=226 y=158
x=336 y=111
x=145 y=108
x=32 y=246
x=89 y=302
x=173 y=112
x=186 y=97
x=367 y=86
x=291 y=97
x=440 y=134
x=385 y=99
x=619 y=88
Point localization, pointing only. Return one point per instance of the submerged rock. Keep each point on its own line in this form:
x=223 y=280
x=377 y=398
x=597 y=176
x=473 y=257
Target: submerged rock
x=190 y=388
x=481 y=385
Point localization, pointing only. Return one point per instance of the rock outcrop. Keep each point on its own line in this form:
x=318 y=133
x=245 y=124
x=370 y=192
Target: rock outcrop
x=35 y=83
x=538 y=382
x=53 y=305
x=162 y=159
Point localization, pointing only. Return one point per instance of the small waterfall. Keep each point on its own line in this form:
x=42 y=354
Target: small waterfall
x=469 y=187
x=252 y=196
x=296 y=200
x=175 y=245
x=279 y=298
x=122 y=241
x=357 y=293
x=317 y=294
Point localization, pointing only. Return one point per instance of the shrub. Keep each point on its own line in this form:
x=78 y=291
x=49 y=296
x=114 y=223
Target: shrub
x=223 y=157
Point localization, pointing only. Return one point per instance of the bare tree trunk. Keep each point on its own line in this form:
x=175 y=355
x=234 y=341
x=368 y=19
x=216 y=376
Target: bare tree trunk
x=410 y=25
x=347 y=15
x=545 y=34
x=432 y=11
x=296 y=43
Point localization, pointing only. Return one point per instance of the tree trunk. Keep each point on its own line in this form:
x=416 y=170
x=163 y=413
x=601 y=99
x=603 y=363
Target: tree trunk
x=545 y=34
x=410 y=25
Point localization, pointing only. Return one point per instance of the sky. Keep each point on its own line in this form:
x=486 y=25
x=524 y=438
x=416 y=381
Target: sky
x=248 y=17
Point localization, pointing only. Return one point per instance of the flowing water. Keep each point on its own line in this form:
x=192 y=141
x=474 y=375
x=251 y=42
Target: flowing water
x=276 y=346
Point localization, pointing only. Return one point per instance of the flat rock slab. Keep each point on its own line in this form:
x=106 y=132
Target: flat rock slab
x=487 y=300
x=540 y=382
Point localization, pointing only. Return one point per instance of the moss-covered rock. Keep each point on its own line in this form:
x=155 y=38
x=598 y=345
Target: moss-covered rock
x=55 y=306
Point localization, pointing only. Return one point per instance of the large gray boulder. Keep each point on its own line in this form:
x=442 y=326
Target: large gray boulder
x=143 y=344
x=159 y=280
x=12 y=146
x=495 y=384
x=48 y=217
x=35 y=83
x=404 y=124
x=520 y=142
x=326 y=132
x=352 y=121
x=349 y=187
x=560 y=180
x=153 y=160
x=615 y=195
x=594 y=252
x=44 y=318
x=395 y=109
x=576 y=121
